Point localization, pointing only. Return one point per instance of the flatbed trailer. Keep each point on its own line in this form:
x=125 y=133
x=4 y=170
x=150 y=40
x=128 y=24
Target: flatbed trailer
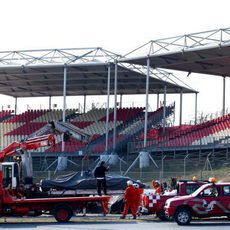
x=62 y=208
x=81 y=192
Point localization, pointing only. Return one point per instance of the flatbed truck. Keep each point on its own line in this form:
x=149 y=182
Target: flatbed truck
x=20 y=197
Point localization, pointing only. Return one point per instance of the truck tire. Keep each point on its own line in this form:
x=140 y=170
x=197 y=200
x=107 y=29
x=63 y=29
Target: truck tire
x=183 y=216
x=63 y=213
x=161 y=215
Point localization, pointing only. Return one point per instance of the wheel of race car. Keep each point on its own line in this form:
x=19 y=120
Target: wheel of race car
x=183 y=216
x=35 y=213
x=63 y=213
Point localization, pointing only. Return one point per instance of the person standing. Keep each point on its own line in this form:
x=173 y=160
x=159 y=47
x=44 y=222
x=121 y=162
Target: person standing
x=138 y=192
x=158 y=189
x=99 y=174
x=130 y=200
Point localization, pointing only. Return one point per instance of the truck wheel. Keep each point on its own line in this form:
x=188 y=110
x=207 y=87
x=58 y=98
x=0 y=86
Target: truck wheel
x=63 y=213
x=161 y=215
x=183 y=216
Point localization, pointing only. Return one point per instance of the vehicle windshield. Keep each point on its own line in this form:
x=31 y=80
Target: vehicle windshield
x=200 y=189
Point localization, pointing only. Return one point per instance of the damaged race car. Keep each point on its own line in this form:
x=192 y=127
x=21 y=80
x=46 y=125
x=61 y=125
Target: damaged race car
x=84 y=183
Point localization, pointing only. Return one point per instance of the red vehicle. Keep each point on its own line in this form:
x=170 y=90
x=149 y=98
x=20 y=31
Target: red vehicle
x=154 y=203
x=20 y=197
x=209 y=200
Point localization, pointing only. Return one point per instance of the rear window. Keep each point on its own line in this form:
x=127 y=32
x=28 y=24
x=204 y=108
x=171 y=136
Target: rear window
x=191 y=188
x=226 y=190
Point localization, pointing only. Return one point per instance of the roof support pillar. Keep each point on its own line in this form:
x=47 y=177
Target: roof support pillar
x=84 y=106
x=181 y=107
x=49 y=102
x=195 y=108
x=158 y=101
x=107 y=111
x=224 y=89
x=64 y=104
x=146 y=103
x=16 y=105
x=115 y=109
x=164 y=109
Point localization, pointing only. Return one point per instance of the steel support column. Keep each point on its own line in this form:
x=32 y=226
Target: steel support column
x=115 y=109
x=16 y=105
x=64 y=102
x=107 y=111
x=164 y=109
x=158 y=101
x=195 y=108
x=146 y=103
x=181 y=102
x=120 y=101
x=49 y=102
x=224 y=89
x=84 y=108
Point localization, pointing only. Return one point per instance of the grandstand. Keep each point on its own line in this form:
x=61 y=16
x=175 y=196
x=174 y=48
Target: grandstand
x=209 y=136
x=124 y=131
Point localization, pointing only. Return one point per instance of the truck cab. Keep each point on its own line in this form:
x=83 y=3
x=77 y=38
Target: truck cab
x=10 y=175
x=209 y=200
x=154 y=203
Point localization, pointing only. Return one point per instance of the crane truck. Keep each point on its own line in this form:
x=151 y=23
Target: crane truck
x=19 y=196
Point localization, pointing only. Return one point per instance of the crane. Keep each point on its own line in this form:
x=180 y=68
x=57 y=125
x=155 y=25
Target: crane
x=10 y=172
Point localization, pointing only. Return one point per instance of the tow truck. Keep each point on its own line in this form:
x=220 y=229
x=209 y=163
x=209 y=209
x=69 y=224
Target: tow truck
x=210 y=200
x=19 y=196
x=154 y=203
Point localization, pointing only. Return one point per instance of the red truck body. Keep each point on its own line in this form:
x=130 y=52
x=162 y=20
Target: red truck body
x=154 y=203
x=18 y=198
x=62 y=208
x=209 y=200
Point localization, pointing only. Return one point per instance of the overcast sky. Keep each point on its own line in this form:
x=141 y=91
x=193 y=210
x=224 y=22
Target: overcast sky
x=119 y=26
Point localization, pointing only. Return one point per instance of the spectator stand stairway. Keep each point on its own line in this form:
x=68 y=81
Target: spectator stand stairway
x=135 y=132
x=125 y=117
x=130 y=129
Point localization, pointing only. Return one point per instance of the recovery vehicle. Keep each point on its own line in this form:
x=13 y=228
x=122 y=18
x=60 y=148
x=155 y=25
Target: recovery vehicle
x=154 y=203
x=210 y=200
x=19 y=196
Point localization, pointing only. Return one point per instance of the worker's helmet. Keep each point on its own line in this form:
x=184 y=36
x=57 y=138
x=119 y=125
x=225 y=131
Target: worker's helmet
x=212 y=179
x=194 y=178
x=129 y=182
x=136 y=185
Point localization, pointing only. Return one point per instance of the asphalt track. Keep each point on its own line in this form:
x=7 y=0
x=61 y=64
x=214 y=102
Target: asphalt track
x=108 y=223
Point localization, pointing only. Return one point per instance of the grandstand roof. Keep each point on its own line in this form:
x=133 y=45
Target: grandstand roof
x=205 y=52
x=32 y=73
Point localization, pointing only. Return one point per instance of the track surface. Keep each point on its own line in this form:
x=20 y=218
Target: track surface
x=108 y=223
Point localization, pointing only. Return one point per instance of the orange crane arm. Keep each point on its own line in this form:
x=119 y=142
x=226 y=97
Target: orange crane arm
x=31 y=143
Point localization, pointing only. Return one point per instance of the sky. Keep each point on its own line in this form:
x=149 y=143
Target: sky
x=119 y=26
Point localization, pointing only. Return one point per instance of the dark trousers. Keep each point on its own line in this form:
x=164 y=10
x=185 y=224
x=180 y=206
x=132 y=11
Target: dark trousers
x=101 y=183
